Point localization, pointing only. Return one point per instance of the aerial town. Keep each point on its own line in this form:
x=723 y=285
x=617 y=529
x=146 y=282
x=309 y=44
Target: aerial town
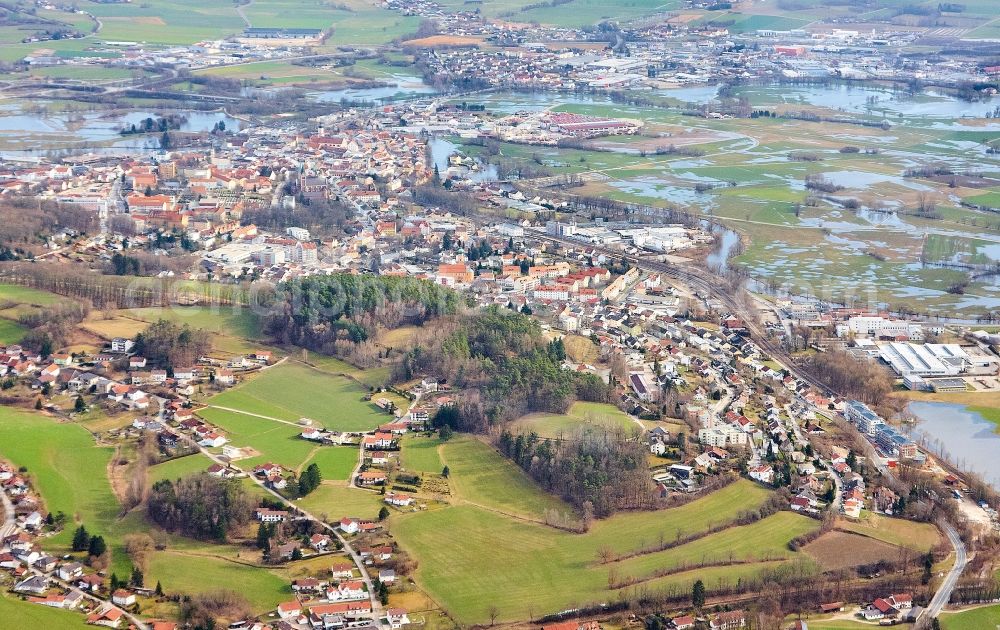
x=557 y=316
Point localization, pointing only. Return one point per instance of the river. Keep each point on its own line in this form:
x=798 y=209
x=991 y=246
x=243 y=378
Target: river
x=961 y=436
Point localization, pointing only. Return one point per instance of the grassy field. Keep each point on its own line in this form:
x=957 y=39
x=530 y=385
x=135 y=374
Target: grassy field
x=981 y=618
x=66 y=467
x=485 y=478
x=917 y=536
x=189 y=573
x=167 y=22
x=422 y=454
x=764 y=540
x=293 y=390
x=534 y=569
x=25 y=295
x=14 y=301
x=177 y=468
x=280 y=443
x=11 y=332
x=275 y=72
x=16 y=614
x=582 y=416
x=374 y=377
x=336 y=462
x=336 y=500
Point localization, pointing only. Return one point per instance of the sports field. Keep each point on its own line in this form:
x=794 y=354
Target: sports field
x=292 y=391
x=534 y=569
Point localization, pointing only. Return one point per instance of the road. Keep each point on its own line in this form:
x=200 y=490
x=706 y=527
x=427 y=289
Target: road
x=706 y=284
x=9 y=526
x=377 y=611
x=943 y=594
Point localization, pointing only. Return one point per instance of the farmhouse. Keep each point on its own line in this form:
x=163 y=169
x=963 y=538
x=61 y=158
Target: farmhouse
x=399 y=500
x=265 y=515
x=348 y=590
x=289 y=610
x=121 y=597
x=371 y=478
x=109 y=617
x=731 y=620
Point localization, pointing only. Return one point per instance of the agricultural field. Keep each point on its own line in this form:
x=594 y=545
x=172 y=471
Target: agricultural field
x=35 y=616
x=275 y=73
x=279 y=442
x=336 y=501
x=68 y=470
x=750 y=175
x=828 y=551
x=162 y=22
x=582 y=416
x=293 y=390
x=421 y=454
x=979 y=618
x=189 y=573
x=485 y=478
x=180 y=467
x=918 y=537
x=536 y=568
x=16 y=301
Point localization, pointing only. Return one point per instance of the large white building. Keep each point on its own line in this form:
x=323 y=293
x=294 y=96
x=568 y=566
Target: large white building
x=925 y=360
x=880 y=327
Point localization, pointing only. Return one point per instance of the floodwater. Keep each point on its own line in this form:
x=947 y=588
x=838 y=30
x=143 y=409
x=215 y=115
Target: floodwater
x=59 y=130
x=441 y=149
x=964 y=437
x=726 y=240
x=857 y=98
x=403 y=86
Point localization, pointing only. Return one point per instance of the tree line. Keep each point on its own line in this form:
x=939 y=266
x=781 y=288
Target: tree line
x=200 y=506
x=599 y=473
x=165 y=344
x=314 y=312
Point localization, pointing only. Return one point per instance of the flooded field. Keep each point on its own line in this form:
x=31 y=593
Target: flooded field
x=878 y=231
x=33 y=130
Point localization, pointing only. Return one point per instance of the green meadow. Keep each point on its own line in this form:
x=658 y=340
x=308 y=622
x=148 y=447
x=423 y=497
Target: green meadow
x=16 y=614
x=582 y=416
x=421 y=454
x=335 y=500
x=292 y=391
x=483 y=477
x=980 y=618
x=534 y=569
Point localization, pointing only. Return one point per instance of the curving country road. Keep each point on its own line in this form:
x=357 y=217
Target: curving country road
x=943 y=594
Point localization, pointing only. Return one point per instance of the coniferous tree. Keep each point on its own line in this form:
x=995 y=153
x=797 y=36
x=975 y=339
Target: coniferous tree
x=81 y=539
